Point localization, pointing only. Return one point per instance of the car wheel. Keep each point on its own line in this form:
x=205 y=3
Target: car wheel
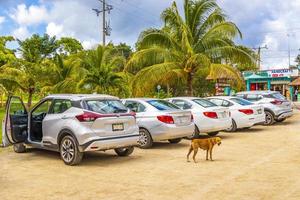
x=233 y=127
x=145 y=140
x=19 y=148
x=280 y=120
x=269 y=118
x=213 y=133
x=175 y=141
x=69 y=151
x=126 y=151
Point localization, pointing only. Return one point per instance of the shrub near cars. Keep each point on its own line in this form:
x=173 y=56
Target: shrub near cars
x=160 y=120
x=276 y=107
x=72 y=125
x=208 y=117
x=244 y=113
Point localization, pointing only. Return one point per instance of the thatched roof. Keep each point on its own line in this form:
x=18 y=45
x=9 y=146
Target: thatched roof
x=296 y=82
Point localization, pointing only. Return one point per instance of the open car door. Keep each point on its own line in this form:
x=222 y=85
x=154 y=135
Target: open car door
x=14 y=128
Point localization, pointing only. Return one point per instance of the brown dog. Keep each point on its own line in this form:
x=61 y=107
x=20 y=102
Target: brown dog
x=205 y=144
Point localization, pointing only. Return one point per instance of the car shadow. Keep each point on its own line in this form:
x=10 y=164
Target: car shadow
x=250 y=130
x=167 y=146
x=97 y=158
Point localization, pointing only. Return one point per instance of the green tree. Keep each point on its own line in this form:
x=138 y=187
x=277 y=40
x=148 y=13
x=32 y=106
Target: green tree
x=69 y=46
x=6 y=54
x=102 y=71
x=201 y=38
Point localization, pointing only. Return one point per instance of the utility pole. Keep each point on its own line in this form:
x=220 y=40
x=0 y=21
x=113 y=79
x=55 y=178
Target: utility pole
x=258 y=61
x=106 y=29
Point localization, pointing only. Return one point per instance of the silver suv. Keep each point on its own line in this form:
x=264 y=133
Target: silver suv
x=276 y=107
x=71 y=125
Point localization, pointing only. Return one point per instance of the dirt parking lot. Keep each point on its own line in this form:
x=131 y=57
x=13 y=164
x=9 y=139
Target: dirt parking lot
x=260 y=163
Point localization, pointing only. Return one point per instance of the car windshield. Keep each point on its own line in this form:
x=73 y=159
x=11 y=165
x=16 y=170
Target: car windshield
x=242 y=102
x=162 y=105
x=204 y=103
x=106 y=106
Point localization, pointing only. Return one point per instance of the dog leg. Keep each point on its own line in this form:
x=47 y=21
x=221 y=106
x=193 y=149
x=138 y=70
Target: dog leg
x=195 y=153
x=190 y=151
x=207 y=154
x=210 y=152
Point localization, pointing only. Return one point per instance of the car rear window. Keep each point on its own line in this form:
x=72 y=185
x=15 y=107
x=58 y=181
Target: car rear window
x=162 y=105
x=242 y=102
x=106 y=106
x=277 y=96
x=204 y=103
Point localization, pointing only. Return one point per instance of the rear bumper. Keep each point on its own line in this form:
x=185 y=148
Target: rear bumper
x=110 y=143
x=166 y=132
x=251 y=121
x=284 y=115
x=214 y=125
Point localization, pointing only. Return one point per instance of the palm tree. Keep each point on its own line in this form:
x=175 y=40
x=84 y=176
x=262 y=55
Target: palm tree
x=62 y=75
x=200 y=39
x=102 y=71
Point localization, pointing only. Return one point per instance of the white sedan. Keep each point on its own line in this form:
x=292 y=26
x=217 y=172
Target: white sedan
x=244 y=113
x=208 y=117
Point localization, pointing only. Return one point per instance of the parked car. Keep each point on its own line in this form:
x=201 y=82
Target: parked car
x=276 y=107
x=71 y=125
x=208 y=117
x=244 y=113
x=160 y=120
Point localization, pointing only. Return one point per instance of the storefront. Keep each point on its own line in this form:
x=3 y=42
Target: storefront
x=274 y=80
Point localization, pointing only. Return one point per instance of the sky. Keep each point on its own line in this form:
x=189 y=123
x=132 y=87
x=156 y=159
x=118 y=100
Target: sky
x=271 y=23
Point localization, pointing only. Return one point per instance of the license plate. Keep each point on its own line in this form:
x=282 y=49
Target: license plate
x=118 y=127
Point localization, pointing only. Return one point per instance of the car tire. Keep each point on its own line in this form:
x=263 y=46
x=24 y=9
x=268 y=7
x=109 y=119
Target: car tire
x=19 y=148
x=269 y=118
x=145 y=140
x=280 y=120
x=213 y=133
x=175 y=141
x=233 y=127
x=69 y=151
x=126 y=151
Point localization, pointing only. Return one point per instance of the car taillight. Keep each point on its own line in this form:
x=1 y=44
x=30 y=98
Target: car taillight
x=276 y=102
x=211 y=115
x=87 y=117
x=247 y=111
x=166 y=119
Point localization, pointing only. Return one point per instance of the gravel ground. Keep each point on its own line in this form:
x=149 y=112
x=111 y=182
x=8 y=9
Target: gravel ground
x=259 y=163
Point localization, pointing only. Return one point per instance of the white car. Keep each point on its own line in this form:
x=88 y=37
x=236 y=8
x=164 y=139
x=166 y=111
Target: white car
x=160 y=120
x=244 y=113
x=208 y=117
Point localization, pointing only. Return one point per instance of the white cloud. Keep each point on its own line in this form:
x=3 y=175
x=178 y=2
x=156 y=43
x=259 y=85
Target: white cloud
x=2 y=19
x=31 y=15
x=21 y=33
x=53 y=29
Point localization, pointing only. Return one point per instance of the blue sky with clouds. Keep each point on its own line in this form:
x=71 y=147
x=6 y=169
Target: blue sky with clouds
x=267 y=22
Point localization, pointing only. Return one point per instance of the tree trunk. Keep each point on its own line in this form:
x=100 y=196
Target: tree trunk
x=30 y=94
x=190 y=84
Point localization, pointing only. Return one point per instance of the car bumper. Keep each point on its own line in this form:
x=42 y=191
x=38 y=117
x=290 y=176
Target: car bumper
x=214 y=126
x=251 y=121
x=166 y=132
x=284 y=115
x=107 y=143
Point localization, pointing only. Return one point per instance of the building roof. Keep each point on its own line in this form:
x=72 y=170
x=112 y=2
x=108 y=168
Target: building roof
x=255 y=76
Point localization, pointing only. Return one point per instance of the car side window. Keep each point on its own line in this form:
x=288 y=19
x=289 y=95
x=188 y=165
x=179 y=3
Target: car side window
x=218 y=102
x=135 y=106
x=184 y=105
x=60 y=106
x=40 y=112
x=227 y=103
x=252 y=97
